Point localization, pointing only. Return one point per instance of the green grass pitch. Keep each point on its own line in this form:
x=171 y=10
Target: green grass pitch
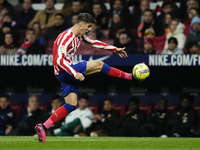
x=106 y=143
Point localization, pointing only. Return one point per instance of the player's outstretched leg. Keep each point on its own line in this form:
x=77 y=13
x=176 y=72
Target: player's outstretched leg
x=61 y=112
x=98 y=66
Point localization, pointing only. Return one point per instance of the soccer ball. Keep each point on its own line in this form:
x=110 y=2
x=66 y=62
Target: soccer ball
x=141 y=71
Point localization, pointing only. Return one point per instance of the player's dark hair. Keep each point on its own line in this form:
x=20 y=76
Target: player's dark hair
x=187 y=96
x=134 y=99
x=173 y=39
x=84 y=96
x=166 y=4
x=86 y=18
x=61 y=15
x=5 y=96
x=30 y=30
x=55 y=97
x=108 y=99
x=191 y=44
x=54 y=1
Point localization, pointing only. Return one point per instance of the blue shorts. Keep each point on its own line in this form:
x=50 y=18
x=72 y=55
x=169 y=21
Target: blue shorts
x=68 y=82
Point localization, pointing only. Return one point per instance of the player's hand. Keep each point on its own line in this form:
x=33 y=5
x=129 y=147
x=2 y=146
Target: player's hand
x=121 y=52
x=80 y=77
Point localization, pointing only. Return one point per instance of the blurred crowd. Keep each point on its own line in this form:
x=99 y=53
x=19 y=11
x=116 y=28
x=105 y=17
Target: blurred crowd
x=172 y=27
x=131 y=121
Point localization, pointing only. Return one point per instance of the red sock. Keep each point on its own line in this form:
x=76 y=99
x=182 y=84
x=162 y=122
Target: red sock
x=119 y=74
x=56 y=116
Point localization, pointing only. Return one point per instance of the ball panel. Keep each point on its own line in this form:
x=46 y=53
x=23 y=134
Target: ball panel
x=141 y=71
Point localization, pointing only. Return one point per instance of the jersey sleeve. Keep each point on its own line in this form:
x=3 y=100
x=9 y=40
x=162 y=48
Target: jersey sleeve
x=62 y=53
x=97 y=44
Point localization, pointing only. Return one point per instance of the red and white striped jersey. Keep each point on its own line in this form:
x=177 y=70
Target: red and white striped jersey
x=66 y=45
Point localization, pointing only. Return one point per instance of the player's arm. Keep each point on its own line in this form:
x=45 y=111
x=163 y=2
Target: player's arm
x=66 y=66
x=102 y=45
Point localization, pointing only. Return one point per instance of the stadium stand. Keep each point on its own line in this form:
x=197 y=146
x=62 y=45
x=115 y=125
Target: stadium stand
x=146 y=108
x=16 y=108
x=94 y=108
x=119 y=108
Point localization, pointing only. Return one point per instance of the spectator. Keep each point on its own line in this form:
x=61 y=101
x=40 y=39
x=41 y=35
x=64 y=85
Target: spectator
x=55 y=104
x=139 y=11
x=95 y=33
x=130 y=121
x=3 y=11
x=77 y=121
x=5 y=3
x=194 y=34
x=38 y=32
x=31 y=44
x=45 y=17
x=192 y=47
x=126 y=40
x=166 y=24
x=148 y=22
x=155 y=124
x=172 y=47
x=148 y=46
x=149 y=33
x=6 y=113
x=193 y=12
x=69 y=7
x=76 y=9
x=118 y=7
x=100 y=16
x=26 y=14
x=182 y=119
x=104 y=123
x=176 y=30
x=192 y=4
x=10 y=46
x=8 y=18
x=6 y=28
x=88 y=4
x=115 y=25
x=25 y=121
x=58 y=27
x=166 y=8
x=74 y=18
x=116 y=38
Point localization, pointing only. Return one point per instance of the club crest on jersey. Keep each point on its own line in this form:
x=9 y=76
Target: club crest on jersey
x=62 y=48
